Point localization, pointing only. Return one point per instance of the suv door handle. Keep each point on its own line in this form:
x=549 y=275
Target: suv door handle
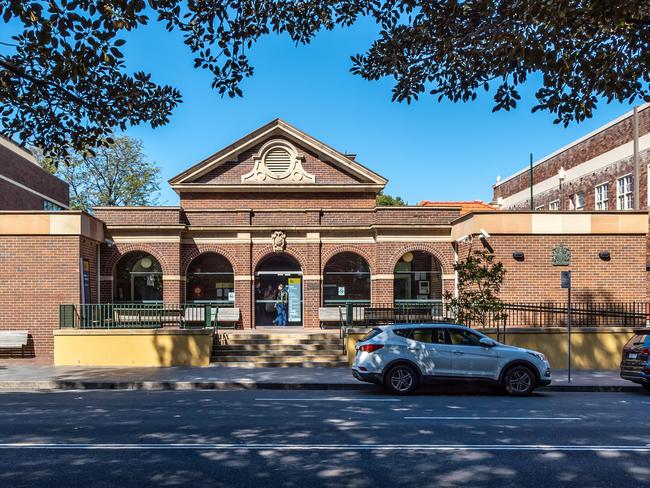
x=457 y=352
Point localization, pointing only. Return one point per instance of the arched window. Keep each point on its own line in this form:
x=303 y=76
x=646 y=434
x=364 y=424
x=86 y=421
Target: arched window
x=346 y=279
x=138 y=278
x=210 y=278
x=418 y=279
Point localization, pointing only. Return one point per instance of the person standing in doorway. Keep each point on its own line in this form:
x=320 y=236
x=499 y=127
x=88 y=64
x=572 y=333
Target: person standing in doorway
x=282 y=300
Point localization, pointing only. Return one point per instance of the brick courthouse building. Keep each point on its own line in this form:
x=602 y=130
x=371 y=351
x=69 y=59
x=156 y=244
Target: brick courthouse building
x=279 y=206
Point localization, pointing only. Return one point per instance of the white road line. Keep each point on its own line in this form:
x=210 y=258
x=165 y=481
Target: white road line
x=329 y=399
x=326 y=447
x=493 y=418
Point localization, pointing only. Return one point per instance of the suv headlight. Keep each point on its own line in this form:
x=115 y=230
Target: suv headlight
x=538 y=355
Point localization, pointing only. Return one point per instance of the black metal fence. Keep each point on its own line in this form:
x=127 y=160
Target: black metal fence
x=525 y=315
x=138 y=315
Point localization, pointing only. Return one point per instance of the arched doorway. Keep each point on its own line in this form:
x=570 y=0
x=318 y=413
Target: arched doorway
x=418 y=279
x=271 y=272
x=346 y=279
x=138 y=279
x=210 y=278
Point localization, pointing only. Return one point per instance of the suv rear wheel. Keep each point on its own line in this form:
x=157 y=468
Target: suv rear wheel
x=646 y=387
x=401 y=379
x=519 y=381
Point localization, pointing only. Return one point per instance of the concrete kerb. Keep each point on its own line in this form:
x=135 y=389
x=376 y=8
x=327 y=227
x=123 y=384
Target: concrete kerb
x=62 y=385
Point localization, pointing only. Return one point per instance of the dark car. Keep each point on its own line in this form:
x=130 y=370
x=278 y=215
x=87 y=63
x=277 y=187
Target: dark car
x=635 y=364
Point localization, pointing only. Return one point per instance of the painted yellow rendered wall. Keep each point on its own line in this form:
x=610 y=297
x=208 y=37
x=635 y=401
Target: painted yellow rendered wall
x=132 y=348
x=590 y=349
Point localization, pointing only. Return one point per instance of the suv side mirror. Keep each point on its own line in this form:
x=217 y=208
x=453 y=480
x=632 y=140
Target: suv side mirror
x=487 y=342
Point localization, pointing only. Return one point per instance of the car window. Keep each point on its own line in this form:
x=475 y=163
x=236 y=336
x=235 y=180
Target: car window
x=460 y=337
x=403 y=332
x=429 y=335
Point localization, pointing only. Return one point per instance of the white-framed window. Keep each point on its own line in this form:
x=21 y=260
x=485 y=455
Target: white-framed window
x=540 y=208
x=625 y=193
x=579 y=201
x=602 y=196
x=554 y=206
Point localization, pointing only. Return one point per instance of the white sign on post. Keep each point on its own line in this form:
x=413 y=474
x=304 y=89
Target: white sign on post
x=295 y=305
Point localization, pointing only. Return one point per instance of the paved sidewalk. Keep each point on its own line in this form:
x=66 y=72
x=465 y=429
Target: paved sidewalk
x=15 y=377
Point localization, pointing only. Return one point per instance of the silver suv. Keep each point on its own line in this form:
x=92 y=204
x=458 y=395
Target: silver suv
x=401 y=357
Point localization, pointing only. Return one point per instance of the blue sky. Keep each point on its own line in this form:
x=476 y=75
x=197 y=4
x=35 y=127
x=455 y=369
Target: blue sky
x=427 y=150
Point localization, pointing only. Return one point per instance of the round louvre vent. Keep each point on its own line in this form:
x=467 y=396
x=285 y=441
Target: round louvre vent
x=277 y=161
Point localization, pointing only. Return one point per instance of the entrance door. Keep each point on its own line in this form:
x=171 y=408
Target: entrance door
x=273 y=271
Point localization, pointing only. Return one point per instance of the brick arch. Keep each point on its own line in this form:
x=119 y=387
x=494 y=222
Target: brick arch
x=121 y=250
x=264 y=253
x=445 y=265
x=330 y=253
x=207 y=248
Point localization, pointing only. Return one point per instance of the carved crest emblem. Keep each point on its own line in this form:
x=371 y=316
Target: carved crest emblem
x=561 y=255
x=279 y=241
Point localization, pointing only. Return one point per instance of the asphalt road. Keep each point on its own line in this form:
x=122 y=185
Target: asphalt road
x=322 y=438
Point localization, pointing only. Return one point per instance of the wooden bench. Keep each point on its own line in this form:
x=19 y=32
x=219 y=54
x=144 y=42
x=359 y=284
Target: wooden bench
x=337 y=316
x=13 y=339
x=226 y=315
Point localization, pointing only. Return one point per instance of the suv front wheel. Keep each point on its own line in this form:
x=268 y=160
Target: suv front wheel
x=519 y=381
x=401 y=379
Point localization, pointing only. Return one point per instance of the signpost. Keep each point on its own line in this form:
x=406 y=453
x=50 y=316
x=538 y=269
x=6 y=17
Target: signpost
x=566 y=283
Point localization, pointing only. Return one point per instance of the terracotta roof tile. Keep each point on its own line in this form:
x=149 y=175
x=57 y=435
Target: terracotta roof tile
x=465 y=206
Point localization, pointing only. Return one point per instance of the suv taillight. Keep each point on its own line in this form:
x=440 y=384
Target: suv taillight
x=370 y=347
x=645 y=350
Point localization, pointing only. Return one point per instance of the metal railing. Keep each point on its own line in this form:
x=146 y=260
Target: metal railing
x=138 y=315
x=583 y=314
x=524 y=315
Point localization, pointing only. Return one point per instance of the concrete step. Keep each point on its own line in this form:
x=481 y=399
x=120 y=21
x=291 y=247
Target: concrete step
x=283 y=349
x=274 y=353
x=278 y=347
x=284 y=364
x=284 y=359
x=288 y=341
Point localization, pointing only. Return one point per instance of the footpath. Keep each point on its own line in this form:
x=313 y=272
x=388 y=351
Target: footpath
x=33 y=377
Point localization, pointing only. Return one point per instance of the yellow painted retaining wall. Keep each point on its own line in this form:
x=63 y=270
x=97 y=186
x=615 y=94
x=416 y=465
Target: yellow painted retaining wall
x=591 y=349
x=129 y=347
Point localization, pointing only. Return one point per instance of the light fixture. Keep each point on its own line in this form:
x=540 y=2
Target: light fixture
x=146 y=263
x=408 y=257
x=518 y=256
x=561 y=174
x=604 y=255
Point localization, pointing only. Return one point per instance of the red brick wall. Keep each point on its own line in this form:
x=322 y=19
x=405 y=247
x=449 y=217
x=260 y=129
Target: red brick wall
x=264 y=200
x=310 y=216
x=535 y=279
x=231 y=172
x=23 y=171
x=588 y=183
x=139 y=215
x=37 y=273
x=600 y=143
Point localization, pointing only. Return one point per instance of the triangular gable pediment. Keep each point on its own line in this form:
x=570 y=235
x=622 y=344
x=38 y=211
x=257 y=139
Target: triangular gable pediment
x=266 y=153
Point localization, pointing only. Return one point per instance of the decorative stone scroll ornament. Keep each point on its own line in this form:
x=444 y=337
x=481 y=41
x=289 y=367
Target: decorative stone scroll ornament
x=561 y=255
x=278 y=162
x=279 y=241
